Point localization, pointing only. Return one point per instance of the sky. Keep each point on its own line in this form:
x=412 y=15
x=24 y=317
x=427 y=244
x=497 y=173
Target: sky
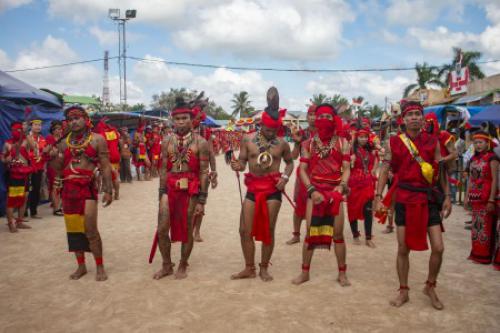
x=297 y=34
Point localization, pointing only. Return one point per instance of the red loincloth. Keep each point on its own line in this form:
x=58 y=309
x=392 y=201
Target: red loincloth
x=178 y=203
x=261 y=187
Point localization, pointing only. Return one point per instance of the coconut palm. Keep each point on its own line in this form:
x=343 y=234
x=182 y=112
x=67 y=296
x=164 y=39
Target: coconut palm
x=426 y=76
x=469 y=59
x=319 y=99
x=241 y=105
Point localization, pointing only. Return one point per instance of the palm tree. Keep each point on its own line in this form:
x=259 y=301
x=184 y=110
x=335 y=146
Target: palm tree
x=426 y=76
x=469 y=59
x=319 y=99
x=241 y=104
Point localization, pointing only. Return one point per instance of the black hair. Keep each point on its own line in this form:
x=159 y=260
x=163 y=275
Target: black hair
x=53 y=125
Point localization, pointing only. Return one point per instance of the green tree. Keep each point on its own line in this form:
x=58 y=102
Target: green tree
x=469 y=59
x=319 y=99
x=137 y=107
x=427 y=76
x=241 y=105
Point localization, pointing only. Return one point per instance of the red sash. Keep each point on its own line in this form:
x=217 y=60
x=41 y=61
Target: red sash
x=178 y=203
x=261 y=187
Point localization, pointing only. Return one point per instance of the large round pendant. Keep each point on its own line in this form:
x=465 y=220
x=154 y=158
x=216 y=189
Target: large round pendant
x=265 y=160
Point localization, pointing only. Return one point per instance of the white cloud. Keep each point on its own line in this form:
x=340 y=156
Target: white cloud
x=390 y=37
x=274 y=28
x=374 y=87
x=104 y=37
x=10 y=4
x=5 y=62
x=418 y=12
x=441 y=40
x=81 y=79
x=219 y=85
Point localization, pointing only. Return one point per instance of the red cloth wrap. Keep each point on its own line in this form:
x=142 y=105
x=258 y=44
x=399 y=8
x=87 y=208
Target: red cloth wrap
x=77 y=187
x=361 y=185
x=300 y=196
x=178 y=203
x=331 y=205
x=261 y=187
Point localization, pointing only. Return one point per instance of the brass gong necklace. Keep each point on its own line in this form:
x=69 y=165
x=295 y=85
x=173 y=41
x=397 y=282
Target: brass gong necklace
x=265 y=159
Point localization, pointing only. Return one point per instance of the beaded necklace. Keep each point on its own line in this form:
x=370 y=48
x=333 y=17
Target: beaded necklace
x=324 y=150
x=182 y=153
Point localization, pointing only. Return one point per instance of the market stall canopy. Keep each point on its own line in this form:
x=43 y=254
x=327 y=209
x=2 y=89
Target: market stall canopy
x=488 y=113
x=125 y=119
x=14 y=89
x=210 y=122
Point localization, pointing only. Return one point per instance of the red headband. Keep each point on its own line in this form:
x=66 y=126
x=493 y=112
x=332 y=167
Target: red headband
x=325 y=109
x=182 y=110
x=411 y=107
x=363 y=131
x=76 y=112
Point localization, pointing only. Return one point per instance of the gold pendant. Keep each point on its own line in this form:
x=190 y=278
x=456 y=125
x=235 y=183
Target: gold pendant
x=265 y=160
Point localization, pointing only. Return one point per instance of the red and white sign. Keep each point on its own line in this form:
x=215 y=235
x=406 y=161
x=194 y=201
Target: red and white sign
x=458 y=81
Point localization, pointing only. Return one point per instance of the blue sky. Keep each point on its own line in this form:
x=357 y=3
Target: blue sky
x=273 y=33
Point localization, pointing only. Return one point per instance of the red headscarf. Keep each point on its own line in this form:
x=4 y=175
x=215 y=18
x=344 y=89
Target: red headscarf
x=273 y=123
x=431 y=119
x=326 y=128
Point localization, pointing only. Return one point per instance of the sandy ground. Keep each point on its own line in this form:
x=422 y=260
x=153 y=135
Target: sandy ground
x=36 y=294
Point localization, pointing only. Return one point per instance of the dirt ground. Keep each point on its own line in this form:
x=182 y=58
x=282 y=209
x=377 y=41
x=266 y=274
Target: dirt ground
x=36 y=294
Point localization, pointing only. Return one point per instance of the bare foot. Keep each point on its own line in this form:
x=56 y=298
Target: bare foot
x=197 y=237
x=247 y=273
x=401 y=299
x=388 y=229
x=431 y=292
x=21 y=225
x=100 y=274
x=342 y=280
x=303 y=277
x=12 y=227
x=356 y=241
x=181 y=271
x=166 y=270
x=80 y=271
x=264 y=274
x=293 y=240
x=370 y=243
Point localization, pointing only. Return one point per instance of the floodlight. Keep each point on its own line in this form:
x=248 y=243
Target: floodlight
x=114 y=13
x=130 y=13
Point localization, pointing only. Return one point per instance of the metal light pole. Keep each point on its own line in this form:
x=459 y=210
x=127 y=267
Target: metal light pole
x=114 y=14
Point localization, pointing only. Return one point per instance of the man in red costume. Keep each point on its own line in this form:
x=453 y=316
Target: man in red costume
x=53 y=139
x=79 y=157
x=112 y=137
x=299 y=136
x=446 y=140
x=38 y=156
x=364 y=162
x=140 y=159
x=153 y=143
x=413 y=156
x=263 y=151
x=16 y=158
x=183 y=189
x=198 y=117
x=324 y=170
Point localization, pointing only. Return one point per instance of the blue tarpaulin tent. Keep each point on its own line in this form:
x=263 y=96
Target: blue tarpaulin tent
x=210 y=122
x=488 y=113
x=15 y=95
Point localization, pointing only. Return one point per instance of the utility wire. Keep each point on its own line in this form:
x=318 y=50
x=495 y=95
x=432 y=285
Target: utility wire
x=266 y=69
x=272 y=69
x=56 y=66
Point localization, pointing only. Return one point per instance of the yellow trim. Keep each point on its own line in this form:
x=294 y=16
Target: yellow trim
x=451 y=138
x=17 y=191
x=325 y=230
x=74 y=222
x=115 y=166
x=110 y=135
x=425 y=168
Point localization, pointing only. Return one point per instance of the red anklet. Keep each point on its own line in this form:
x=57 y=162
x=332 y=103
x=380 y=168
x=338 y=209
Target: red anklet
x=265 y=265
x=431 y=284
x=343 y=268
x=295 y=233
x=338 y=241
x=306 y=268
x=403 y=288
x=80 y=259
x=98 y=261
